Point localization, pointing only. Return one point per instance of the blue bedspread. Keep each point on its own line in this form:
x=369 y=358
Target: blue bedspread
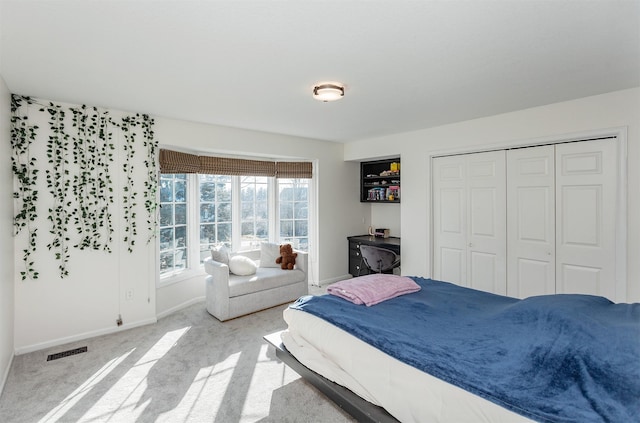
x=552 y=358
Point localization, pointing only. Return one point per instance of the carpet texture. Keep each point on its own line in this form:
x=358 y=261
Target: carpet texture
x=188 y=367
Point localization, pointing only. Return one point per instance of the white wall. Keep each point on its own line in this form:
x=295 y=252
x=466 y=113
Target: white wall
x=616 y=109
x=52 y=310
x=339 y=210
x=7 y=254
x=387 y=215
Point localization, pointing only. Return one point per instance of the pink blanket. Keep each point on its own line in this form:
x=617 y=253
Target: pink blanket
x=373 y=289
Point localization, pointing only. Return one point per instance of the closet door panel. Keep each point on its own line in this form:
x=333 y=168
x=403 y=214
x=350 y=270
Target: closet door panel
x=585 y=197
x=531 y=221
x=449 y=214
x=486 y=236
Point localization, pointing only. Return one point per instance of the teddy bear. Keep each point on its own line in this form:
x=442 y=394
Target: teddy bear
x=287 y=257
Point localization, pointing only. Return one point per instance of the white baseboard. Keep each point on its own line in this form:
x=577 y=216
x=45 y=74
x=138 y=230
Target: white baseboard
x=105 y=331
x=180 y=307
x=82 y=336
x=5 y=374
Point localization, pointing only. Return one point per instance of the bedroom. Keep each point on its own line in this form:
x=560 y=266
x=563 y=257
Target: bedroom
x=27 y=307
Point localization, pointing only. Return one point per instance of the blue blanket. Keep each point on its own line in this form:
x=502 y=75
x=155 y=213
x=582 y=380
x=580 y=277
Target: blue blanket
x=551 y=358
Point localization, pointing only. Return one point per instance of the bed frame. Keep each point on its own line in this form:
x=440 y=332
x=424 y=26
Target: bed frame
x=360 y=409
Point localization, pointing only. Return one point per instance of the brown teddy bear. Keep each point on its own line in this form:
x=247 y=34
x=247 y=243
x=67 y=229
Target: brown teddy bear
x=287 y=257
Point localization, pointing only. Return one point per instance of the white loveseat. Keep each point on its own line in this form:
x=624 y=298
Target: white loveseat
x=229 y=296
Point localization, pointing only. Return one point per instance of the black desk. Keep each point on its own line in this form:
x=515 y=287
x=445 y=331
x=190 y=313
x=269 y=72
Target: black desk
x=355 y=258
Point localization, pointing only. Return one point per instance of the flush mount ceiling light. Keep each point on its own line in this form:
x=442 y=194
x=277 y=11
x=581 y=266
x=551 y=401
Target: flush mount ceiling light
x=328 y=91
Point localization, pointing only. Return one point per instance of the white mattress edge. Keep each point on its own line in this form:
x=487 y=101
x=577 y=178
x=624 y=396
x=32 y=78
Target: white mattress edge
x=407 y=393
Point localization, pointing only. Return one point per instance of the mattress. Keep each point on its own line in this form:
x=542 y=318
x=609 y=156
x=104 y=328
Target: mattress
x=407 y=393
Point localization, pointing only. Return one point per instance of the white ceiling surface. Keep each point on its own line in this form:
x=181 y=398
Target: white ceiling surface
x=406 y=65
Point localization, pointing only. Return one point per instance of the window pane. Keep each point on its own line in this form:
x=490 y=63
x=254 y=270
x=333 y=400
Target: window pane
x=181 y=214
x=262 y=210
x=180 y=191
x=223 y=190
x=302 y=210
x=207 y=213
x=247 y=210
x=286 y=228
x=207 y=191
x=166 y=190
x=300 y=228
x=302 y=193
x=224 y=232
x=166 y=238
x=207 y=234
x=286 y=210
x=166 y=215
x=224 y=212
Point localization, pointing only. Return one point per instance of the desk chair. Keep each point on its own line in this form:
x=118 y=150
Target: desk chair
x=378 y=260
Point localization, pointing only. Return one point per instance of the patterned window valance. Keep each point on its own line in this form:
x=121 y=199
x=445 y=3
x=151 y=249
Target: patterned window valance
x=178 y=162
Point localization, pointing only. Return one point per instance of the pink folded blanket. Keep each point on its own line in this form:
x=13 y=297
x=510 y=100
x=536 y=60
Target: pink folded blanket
x=373 y=289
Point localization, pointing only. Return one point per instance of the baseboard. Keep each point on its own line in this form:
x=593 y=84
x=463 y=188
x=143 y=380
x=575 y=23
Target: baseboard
x=82 y=336
x=333 y=280
x=180 y=306
x=5 y=374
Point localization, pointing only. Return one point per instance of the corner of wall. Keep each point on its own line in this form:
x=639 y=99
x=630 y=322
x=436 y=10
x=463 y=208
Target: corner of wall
x=7 y=253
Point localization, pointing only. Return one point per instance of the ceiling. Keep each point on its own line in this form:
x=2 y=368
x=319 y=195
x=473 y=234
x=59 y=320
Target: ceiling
x=406 y=65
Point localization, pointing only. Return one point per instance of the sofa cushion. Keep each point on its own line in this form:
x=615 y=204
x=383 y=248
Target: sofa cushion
x=269 y=252
x=265 y=278
x=220 y=253
x=241 y=265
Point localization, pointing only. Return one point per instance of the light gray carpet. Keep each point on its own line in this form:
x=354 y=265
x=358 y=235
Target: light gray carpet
x=188 y=367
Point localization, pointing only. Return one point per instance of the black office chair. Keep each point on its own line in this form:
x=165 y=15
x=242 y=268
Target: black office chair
x=378 y=260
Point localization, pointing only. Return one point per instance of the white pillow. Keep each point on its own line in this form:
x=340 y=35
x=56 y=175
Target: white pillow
x=242 y=266
x=269 y=252
x=220 y=253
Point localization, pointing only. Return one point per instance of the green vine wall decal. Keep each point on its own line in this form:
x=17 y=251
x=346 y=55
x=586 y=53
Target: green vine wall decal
x=26 y=175
x=92 y=184
x=129 y=194
x=58 y=183
x=151 y=184
x=80 y=155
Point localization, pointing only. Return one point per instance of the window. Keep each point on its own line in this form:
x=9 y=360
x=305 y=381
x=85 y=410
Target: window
x=215 y=211
x=293 y=200
x=198 y=211
x=254 y=211
x=173 y=222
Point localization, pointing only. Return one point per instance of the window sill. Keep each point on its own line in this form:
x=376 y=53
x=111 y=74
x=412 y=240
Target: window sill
x=177 y=277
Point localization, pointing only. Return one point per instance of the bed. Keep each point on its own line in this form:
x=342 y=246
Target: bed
x=451 y=354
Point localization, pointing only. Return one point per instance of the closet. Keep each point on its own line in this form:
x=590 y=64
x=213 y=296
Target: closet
x=528 y=221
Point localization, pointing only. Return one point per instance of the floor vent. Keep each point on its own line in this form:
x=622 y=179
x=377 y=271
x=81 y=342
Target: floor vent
x=66 y=353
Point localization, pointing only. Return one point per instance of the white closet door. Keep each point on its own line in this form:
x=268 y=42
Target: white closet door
x=531 y=232
x=585 y=216
x=486 y=221
x=449 y=219
x=469 y=220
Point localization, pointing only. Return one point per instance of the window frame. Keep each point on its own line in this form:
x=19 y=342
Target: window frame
x=196 y=269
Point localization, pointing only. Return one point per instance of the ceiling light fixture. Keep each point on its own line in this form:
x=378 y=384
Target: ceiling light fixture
x=328 y=91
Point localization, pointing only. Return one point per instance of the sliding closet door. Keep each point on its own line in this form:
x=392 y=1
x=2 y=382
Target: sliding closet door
x=531 y=232
x=585 y=215
x=486 y=210
x=469 y=220
x=450 y=219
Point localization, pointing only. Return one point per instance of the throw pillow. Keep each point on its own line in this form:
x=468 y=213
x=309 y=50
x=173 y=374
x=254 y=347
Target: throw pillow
x=242 y=266
x=269 y=252
x=220 y=253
